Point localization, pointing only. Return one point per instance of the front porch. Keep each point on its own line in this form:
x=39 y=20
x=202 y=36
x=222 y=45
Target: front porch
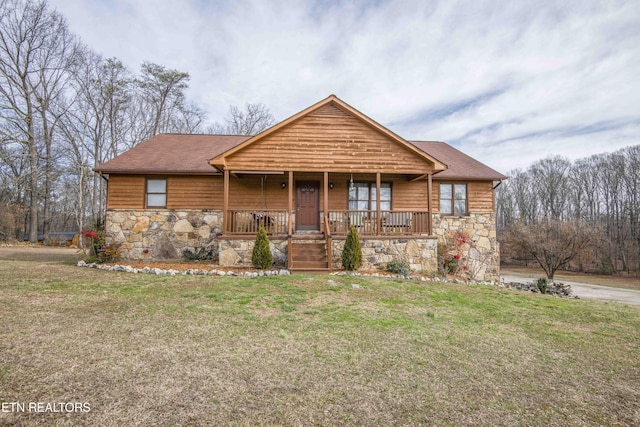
x=336 y=223
x=289 y=203
x=310 y=214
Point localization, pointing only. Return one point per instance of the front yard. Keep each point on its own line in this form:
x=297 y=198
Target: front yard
x=293 y=350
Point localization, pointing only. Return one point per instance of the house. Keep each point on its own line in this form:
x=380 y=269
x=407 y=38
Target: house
x=307 y=180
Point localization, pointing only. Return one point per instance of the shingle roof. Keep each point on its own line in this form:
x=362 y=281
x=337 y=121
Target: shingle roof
x=172 y=154
x=460 y=165
x=190 y=154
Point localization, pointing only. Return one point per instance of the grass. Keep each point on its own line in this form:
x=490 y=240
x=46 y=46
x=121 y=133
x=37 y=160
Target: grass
x=192 y=350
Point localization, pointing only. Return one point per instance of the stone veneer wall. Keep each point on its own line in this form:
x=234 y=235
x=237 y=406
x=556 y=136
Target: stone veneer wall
x=237 y=252
x=483 y=255
x=162 y=234
x=420 y=253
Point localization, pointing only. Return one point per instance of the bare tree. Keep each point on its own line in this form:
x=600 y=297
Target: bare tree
x=162 y=91
x=553 y=244
x=98 y=119
x=550 y=182
x=251 y=121
x=29 y=61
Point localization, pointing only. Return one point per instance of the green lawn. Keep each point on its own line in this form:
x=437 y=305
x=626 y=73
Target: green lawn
x=190 y=350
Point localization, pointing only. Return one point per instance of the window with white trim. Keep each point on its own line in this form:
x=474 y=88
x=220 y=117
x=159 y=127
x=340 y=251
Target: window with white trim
x=453 y=199
x=362 y=196
x=156 y=193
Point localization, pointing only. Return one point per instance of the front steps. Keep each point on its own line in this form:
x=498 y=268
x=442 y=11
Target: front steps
x=308 y=254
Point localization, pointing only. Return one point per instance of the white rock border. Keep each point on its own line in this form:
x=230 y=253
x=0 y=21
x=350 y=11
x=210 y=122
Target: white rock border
x=190 y=271
x=557 y=289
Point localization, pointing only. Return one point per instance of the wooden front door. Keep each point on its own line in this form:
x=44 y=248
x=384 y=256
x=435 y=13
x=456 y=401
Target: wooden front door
x=307 y=205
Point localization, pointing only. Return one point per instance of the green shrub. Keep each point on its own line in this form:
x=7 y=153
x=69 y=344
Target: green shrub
x=542 y=284
x=261 y=257
x=202 y=254
x=352 y=253
x=398 y=267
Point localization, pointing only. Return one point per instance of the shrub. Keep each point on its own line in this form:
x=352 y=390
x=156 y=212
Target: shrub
x=109 y=253
x=95 y=237
x=398 y=267
x=448 y=262
x=261 y=257
x=202 y=254
x=106 y=253
x=542 y=283
x=352 y=253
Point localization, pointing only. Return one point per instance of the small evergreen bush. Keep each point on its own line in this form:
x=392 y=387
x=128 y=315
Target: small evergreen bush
x=542 y=285
x=261 y=257
x=398 y=267
x=352 y=253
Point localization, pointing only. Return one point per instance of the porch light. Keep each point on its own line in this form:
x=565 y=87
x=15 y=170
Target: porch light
x=351 y=182
x=331 y=186
x=283 y=185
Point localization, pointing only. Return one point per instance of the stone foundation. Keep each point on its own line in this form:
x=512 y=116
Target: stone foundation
x=162 y=234
x=237 y=252
x=421 y=254
x=482 y=255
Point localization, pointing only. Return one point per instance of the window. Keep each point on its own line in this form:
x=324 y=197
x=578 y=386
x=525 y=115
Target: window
x=453 y=199
x=156 y=193
x=362 y=196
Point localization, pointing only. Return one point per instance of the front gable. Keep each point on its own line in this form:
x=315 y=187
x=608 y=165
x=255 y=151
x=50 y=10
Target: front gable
x=329 y=136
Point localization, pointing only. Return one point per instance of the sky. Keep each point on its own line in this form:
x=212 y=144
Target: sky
x=507 y=82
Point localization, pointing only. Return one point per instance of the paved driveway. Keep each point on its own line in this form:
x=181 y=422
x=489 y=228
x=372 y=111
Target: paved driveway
x=586 y=291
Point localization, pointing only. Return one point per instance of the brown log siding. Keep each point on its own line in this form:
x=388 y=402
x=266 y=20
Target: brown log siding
x=256 y=192
x=126 y=192
x=194 y=192
x=328 y=140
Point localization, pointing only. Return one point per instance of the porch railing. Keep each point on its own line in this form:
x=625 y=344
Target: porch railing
x=336 y=222
x=249 y=221
x=391 y=222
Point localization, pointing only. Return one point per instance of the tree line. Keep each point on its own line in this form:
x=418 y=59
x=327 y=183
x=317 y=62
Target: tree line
x=64 y=109
x=599 y=194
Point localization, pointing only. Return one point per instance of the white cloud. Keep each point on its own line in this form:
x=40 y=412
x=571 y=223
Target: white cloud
x=507 y=83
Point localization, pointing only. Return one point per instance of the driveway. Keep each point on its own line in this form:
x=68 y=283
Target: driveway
x=586 y=291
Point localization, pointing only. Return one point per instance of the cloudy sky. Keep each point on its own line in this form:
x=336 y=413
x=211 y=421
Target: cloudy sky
x=508 y=82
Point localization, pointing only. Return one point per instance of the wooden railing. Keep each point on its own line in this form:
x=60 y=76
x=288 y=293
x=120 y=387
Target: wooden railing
x=336 y=222
x=249 y=221
x=391 y=222
x=327 y=234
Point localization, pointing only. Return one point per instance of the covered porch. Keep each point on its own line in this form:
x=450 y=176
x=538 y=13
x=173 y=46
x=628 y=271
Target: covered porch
x=310 y=213
x=326 y=204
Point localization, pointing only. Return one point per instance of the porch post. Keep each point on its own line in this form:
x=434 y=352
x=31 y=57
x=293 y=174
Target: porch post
x=225 y=204
x=430 y=204
x=326 y=198
x=378 y=219
x=290 y=187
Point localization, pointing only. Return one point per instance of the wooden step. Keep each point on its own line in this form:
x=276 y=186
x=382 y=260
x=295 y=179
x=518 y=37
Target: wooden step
x=310 y=265
x=309 y=255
